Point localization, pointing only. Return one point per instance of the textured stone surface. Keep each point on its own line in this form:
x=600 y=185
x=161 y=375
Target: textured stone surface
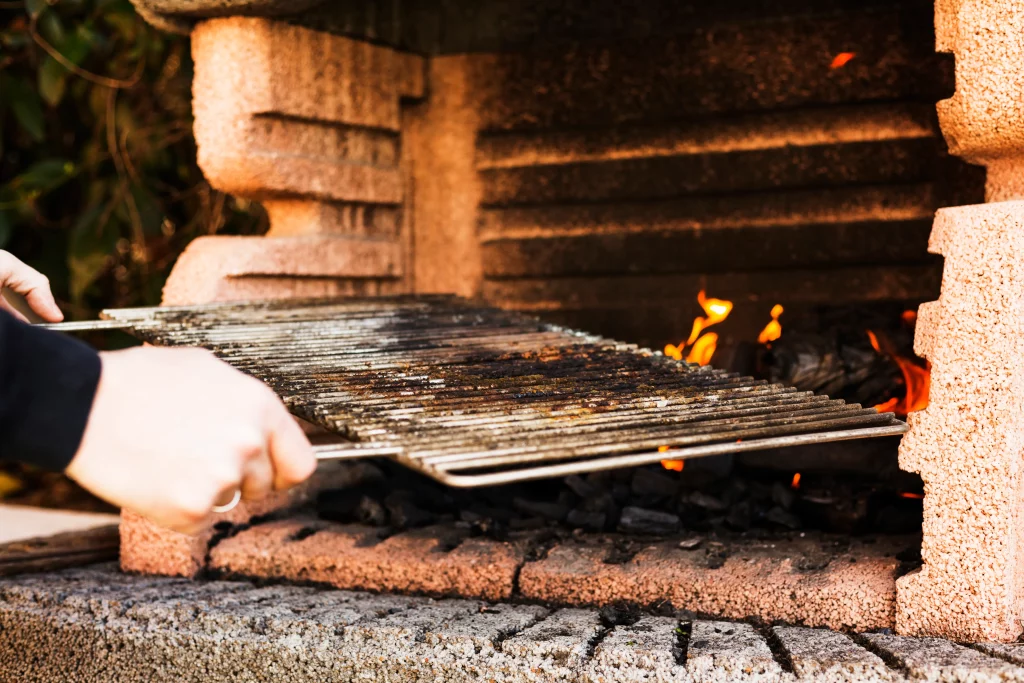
x=251 y=73
x=726 y=652
x=933 y=659
x=238 y=268
x=97 y=624
x=967 y=443
x=651 y=644
x=150 y=549
x=830 y=657
x=310 y=124
x=855 y=590
x=984 y=119
x=352 y=557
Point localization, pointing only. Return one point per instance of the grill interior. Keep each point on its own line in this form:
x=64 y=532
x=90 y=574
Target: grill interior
x=476 y=396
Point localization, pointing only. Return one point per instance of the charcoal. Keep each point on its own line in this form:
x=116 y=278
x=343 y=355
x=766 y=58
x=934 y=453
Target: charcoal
x=620 y=613
x=556 y=512
x=622 y=552
x=736 y=490
x=350 y=507
x=782 y=517
x=654 y=484
x=522 y=524
x=903 y=517
x=702 y=500
x=621 y=492
x=783 y=495
x=848 y=515
x=364 y=473
x=491 y=512
x=716 y=554
x=404 y=514
x=691 y=543
x=582 y=487
x=591 y=521
x=740 y=516
x=601 y=503
x=638 y=520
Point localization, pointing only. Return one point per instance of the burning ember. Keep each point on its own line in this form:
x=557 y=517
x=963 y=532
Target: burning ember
x=673 y=465
x=772 y=330
x=916 y=379
x=842 y=59
x=795 y=484
x=702 y=346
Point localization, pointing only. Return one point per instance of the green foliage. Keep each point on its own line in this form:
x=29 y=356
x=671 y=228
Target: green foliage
x=99 y=187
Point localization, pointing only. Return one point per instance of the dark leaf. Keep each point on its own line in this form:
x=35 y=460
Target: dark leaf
x=149 y=211
x=52 y=79
x=43 y=176
x=89 y=252
x=53 y=76
x=35 y=7
x=25 y=104
x=51 y=28
x=5 y=229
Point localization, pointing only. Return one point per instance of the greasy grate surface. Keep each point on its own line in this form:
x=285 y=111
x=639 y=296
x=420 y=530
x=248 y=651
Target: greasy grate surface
x=474 y=396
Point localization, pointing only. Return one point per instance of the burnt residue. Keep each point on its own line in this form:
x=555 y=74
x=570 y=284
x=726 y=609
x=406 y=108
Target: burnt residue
x=620 y=613
x=682 y=646
x=463 y=390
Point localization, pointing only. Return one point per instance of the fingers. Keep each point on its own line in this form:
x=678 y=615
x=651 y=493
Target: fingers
x=5 y=305
x=31 y=284
x=290 y=453
x=257 y=477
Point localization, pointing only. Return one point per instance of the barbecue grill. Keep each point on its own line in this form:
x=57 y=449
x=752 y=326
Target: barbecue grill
x=475 y=396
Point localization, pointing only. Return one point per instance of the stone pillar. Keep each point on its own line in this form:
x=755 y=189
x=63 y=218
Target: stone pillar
x=968 y=444
x=309 y=124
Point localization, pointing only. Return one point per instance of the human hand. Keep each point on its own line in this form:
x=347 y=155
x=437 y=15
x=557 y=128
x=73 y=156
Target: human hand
x=173 y=432
x=31 y=284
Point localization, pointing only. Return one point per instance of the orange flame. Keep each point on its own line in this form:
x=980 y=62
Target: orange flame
x=795 y=484
x=912 y=496
x=916 y=379
x=674 y=465
x=702 y=347
x=772 y=330
x=842 y=59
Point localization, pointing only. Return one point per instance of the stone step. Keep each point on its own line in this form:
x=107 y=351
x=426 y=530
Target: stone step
x=97 y=624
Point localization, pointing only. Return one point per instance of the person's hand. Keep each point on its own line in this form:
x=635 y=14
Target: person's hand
x=31 y=284
x=174 y=432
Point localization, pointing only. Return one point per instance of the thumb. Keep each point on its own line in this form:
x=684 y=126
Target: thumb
x=290 y=452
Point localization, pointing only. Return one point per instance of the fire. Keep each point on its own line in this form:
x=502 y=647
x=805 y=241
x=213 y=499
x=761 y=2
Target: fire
x=912 y=496
x=842 y=59
x=916 y=379
x=772 y=330
x=702 y=346
x=795 y=484
x=674 y=465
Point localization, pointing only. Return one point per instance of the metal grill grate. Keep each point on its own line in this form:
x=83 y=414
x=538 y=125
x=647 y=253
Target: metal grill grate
x=476 y=396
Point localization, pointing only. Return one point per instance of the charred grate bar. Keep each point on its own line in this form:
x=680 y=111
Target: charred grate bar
x=476 y=396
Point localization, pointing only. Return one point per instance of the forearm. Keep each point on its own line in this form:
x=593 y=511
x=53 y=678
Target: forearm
x=47 y=385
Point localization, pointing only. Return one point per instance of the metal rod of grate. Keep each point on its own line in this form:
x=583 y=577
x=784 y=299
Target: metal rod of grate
x=476 y=396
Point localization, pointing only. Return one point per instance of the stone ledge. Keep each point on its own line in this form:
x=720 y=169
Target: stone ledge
x=96 y=624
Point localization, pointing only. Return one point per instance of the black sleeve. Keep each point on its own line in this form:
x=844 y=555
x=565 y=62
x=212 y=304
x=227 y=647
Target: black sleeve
x=47 y=384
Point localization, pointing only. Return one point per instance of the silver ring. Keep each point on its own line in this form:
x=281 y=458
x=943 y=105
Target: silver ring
x=219 y=509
